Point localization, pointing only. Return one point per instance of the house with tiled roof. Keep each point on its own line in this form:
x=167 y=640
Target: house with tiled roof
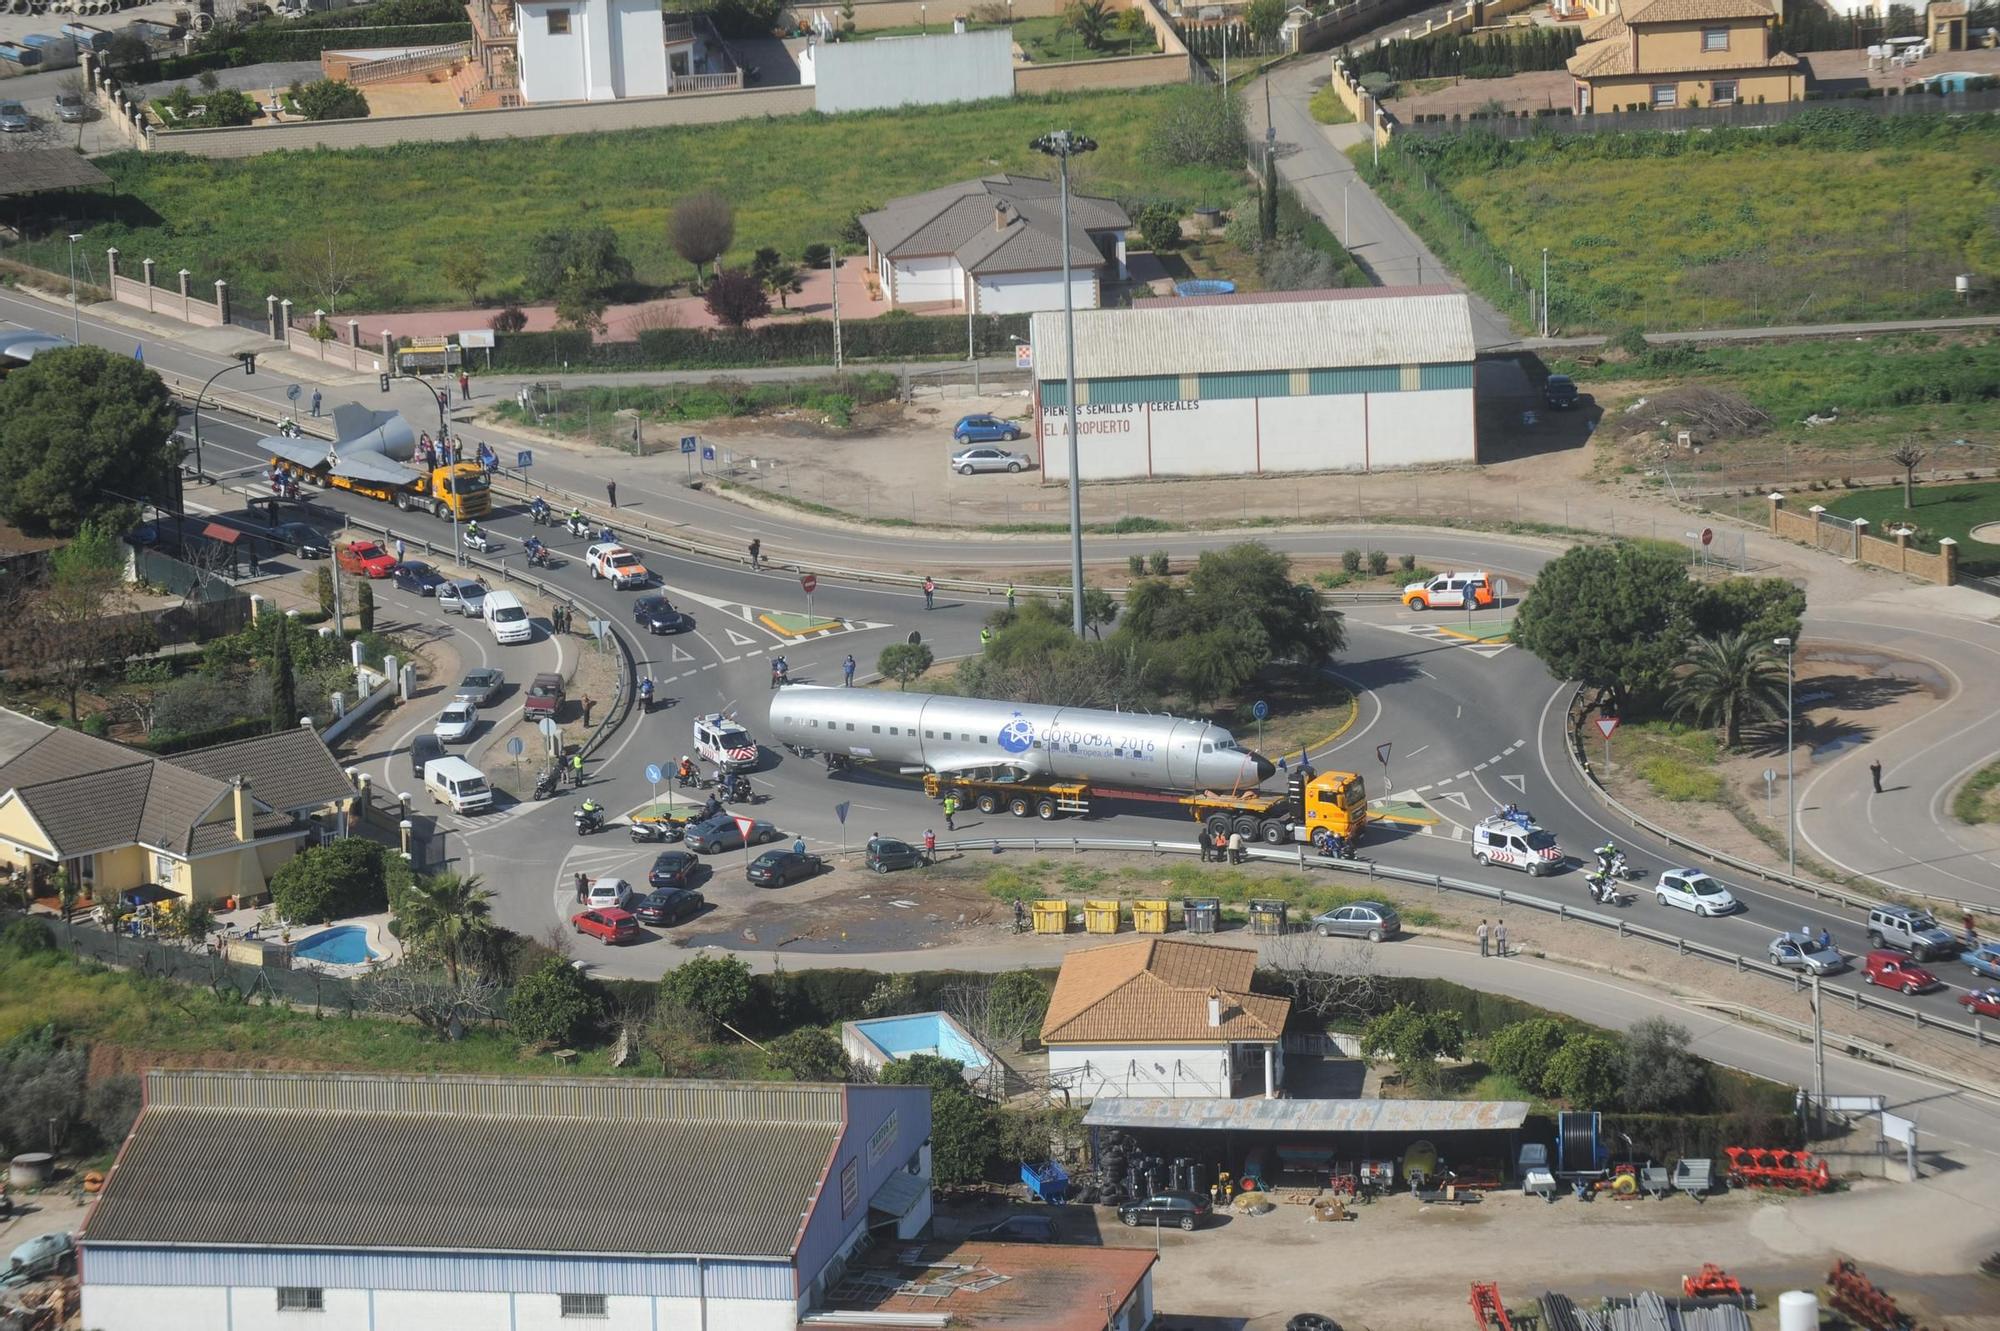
x=1164 y=1018
x=994 y=246
x=205 y=824
x=1667 y=54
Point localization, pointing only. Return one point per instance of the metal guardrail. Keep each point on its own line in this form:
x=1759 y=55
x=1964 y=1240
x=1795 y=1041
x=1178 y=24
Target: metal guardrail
x=1874 y=1053
x=1296 y=856
x=1580 y=760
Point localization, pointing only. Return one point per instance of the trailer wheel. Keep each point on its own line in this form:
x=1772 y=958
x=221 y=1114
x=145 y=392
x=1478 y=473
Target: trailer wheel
x=1247 y=825
x=1272 y=831
x=1045 y=809
x=1018 y=806
x=986 y=803
x=1218 y=824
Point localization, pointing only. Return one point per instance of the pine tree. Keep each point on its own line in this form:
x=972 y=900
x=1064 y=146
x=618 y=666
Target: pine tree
x=284 y=680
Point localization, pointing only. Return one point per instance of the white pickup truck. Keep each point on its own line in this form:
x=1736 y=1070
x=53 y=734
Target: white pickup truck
x=613 y=561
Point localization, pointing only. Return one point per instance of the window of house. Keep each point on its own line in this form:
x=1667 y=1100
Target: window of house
x=1665 y=96
x=583 y=1305
x=678 y=63
x=1725 y=91
x=301 y=1299
x=1715 y=39
x=558 y=22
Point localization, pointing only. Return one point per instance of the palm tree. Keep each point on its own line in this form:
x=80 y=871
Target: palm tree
x=1090 y=20
x=450 y=913
x=1731 y=678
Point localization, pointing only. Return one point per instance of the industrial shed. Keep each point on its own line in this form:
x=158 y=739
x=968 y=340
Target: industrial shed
x=1358 y=380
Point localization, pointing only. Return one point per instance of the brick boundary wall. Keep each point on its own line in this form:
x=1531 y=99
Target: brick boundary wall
x=1858 y=545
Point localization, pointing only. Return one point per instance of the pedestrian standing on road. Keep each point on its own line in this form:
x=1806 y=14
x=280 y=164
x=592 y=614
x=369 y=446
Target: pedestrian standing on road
x=611 y=492
x=1875 y=775
x=588 y=703
x=1010 y=595
x=847 y=670
x=402 y=551
x=985 y=638
x=1219 y=843
x=950 y=810
x=799 y=845
x=1201 y=839
x=930 y=846
x=1483 y=945
x=464 y=386
x=582 y=886
x=315 y=402
x=1020 y=917
x=1500 y=936
x=756 y=554
x=930 y=593
x=1236 y=848
x=576 y=768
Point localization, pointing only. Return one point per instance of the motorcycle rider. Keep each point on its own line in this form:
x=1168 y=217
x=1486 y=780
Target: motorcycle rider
x=536 y=551
x=538 y=509
x=685 y=773
x=713 y=807
x=1607 y=856
x=739 y=788
x=575 y=523
x=472 y=536
x=781 y=671
x=646 y=696
x=590 y=814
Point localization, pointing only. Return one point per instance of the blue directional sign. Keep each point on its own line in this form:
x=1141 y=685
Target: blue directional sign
x=1260 y=709
x=708 y=452
x=653 y=773
x=687 y=443
x=524 y=459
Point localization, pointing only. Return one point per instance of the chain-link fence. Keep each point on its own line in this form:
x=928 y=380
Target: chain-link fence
x=162 y=959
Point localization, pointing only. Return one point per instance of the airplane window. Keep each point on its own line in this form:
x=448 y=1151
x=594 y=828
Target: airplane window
x=893 y=730
x=876 y=729
x=930 y=734
x=1208 y=748
x=982 y=739
x=850 y=725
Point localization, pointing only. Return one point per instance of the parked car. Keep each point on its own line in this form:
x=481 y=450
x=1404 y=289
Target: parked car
x=1020 y=1229
x=885 y=853
x=1691 y=889
x=674 y=868
x=1893 y=970
x=985 y=457
x=14 y=118
x=461 y=596
x=656 y=614
x=1185 y=1209
x=481 y=685
x=1371 y=920
x=545 y=695
x=714 y=835
x=299 y=539
x=610 y=892
x=424 y=749
x=1560 y=392
x=669 y=906
x=984 y=429
x=1983 y=960
x=607 y=924
x=416 y=576
x=456 y=722
x=1910 y=929
x=366 y=559
x=1981 y=1002
x=71 y=109
x=777 y=868
x=1803 y=953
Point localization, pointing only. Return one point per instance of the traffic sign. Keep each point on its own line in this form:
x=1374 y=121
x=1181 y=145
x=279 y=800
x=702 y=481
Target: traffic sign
x=1382 y=753
x=1024 y=356
x=514 y=746
x=708 y=452
x=524 y=459
x=653 y=773
x=1260 y=709
x=840 y=812
x=809 y=582
x=548 y=727
x=1500 y=589
x=687 y=443
x=292 y=392
x=1606 y=724
x=1770 y=775
x=1708 y=535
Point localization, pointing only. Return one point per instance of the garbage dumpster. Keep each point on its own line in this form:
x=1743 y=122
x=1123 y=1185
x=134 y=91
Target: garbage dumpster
x=1149 y=917
x=1051 y=917
x=1100 y=917
x=1201 y=915
x=1266 y=916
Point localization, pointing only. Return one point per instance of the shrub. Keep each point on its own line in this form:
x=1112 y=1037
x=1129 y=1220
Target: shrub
x=1136 y=565
x=1159 y=223
x=735 y=297
x=329 y=99
x=331 y=882
x=1378 y=561
x=811 y=1053
x=1197 y=127
x=1350 y=561
x=1406 y=562
x=26 y=935
x=1584 y=1072
x=510 y=320
x=816 y=255
x=1524 y=1050
x=717 y=988
x=553 y=1005
x=1160 y=563
x=110 y=1106
x=1659 y=1074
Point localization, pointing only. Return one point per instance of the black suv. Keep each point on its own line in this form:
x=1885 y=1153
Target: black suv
x=672 y=905
x=1185 y=1209
x=1560 y=392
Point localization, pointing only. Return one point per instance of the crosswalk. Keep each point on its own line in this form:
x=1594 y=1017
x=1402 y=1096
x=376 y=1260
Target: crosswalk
x=1447 y=637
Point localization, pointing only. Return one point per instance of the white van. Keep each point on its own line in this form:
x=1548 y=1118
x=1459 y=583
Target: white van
x=458 y=783
x=508 y=618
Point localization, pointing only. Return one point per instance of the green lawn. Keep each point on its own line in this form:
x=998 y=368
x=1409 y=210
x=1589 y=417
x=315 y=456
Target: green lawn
x=1939 y=510
x=1046 y=41
x=1328 y=109
x=1820 y=220
x=794 y=182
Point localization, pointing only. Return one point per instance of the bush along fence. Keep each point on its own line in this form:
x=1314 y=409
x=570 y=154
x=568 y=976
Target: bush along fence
x=1492 y=56
x=793 y=342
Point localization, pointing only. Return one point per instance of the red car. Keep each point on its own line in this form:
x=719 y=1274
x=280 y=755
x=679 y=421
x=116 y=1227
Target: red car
x=1981 y=1002
x=608 y=924
x=368 y=558
x=1893 y=970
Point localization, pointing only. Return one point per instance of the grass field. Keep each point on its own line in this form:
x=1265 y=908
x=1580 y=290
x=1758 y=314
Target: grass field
x=1046 y=41
x=1807 y=223
x=1328 y=109
x=1938 y=510
x=794 y=182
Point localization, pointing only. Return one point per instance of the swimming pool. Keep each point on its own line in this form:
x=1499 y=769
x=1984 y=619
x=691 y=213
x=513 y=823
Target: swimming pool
x=922 y=1033
x=345 y=946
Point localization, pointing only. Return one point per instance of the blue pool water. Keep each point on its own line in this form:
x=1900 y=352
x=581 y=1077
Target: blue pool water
x=923 y=1033
x=1205 y=286
x=345 y=946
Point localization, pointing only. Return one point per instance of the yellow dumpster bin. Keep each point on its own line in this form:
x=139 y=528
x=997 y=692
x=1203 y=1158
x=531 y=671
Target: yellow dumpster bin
x=1100 y=917
x=1051 y=917
x=1149 y=917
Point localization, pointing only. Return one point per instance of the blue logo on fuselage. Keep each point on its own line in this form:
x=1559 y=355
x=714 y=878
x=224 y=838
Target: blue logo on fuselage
x=1017 y=736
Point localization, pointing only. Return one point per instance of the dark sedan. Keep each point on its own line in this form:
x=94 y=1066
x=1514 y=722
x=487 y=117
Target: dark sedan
x=776 y=868
x=299 y=539
x=421 y=578
x=884 y=855
x=656 y=614
x=673 y=868
x=669 y=906
x=720 y=833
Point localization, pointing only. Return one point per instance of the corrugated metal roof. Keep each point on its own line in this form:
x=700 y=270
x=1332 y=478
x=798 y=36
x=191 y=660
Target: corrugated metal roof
x=1217 y=336
x=1308 y=1115
x=32 y=170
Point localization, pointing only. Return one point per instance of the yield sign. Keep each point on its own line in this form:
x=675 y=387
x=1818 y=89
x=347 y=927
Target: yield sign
x=1607 y=724
x=744 y=825
x=1382 y=754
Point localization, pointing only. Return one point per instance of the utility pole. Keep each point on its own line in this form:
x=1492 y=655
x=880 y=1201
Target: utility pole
x=1062 y=145
x=1819 y=1064
x=1545 y=291
x=835 y=252
x=1789 y=648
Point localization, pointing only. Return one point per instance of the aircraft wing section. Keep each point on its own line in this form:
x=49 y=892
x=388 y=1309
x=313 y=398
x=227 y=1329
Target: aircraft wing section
x=309 y=453
x=371 y=467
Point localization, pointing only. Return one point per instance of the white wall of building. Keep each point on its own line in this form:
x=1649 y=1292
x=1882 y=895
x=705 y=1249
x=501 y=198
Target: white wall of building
x=118 y=1307
x=640 y=48
x=914 y=71
x=208 y=1308
x=1157 y=1071
x=1410 y=429
x=1025 y=293
x=614 y=48
x=922 y=281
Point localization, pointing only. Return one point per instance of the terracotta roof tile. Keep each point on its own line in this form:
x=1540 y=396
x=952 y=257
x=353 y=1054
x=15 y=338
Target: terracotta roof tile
x=1051 y=1287
x=1156 y=990
x=1641 y=12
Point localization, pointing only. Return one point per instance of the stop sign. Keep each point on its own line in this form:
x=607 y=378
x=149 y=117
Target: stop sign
x=1707 y=535
x=809 y=582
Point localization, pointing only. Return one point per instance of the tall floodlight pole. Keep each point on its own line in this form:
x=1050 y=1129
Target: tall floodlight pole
x=75 y=317
x=1786 y=646
x=1063 y=144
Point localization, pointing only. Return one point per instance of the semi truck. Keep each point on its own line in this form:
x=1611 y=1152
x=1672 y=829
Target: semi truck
x=1050 y=761
x=372 y=456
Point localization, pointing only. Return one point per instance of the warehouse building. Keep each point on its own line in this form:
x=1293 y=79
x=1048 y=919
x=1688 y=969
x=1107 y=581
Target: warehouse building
x=495 y=1204
x=1352 y=380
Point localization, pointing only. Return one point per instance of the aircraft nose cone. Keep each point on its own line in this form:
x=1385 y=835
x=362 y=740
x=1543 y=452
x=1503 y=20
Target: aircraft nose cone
x=1266 y=769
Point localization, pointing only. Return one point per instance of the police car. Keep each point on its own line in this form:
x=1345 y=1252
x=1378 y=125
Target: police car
x=720 y=741
x=1504 y=841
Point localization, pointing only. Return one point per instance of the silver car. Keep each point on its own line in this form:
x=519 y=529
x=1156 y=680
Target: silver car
x=14 y=118
x=479 y=686
x=71 y=109
x=1802 y=952
x=462 y=596
x=1371 y=920
x=985 y=457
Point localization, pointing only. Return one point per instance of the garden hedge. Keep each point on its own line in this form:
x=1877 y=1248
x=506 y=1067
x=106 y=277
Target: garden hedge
x=789 y=342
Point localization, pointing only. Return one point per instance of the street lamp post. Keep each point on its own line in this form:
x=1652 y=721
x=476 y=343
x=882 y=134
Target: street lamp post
x=75 y=318
x=248 y=360
x=1786 y=646
x=1063 y=144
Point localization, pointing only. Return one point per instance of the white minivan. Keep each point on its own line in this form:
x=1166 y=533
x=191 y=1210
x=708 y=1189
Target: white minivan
x=508 y=618
x=458 y=783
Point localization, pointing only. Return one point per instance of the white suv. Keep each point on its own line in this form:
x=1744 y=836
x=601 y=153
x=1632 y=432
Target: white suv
x=1691 y=889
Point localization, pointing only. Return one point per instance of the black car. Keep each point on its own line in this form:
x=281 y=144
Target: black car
x=673 y=868
x=1185 y=1209
x=1560 y=392
x=775 y=868
x=885 y=854
x=669 y=906
x=418 y=577
x=1020 y=1229
x=425 y=748
x=299 y=539
x=656 y=614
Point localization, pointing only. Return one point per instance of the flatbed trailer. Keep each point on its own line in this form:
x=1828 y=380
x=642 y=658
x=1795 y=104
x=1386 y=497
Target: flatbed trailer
x=1336 y=801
